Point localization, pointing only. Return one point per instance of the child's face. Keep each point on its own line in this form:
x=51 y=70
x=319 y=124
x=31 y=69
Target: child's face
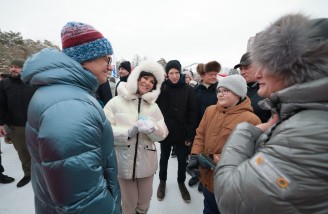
x=227 y=98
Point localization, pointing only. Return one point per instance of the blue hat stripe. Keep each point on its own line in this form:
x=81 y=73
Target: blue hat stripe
x=90 y=50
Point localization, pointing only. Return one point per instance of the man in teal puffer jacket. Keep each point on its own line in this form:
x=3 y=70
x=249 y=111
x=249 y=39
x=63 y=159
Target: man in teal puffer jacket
x=74 y=168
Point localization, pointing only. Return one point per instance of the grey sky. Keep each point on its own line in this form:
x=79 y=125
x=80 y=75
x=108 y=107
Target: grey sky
x=190 y=31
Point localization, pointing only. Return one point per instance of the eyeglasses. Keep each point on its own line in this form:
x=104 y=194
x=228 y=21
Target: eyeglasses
x=223 y=91
x=109 y=59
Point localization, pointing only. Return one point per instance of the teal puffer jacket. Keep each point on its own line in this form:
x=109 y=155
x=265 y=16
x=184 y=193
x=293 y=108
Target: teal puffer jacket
x=74 y=168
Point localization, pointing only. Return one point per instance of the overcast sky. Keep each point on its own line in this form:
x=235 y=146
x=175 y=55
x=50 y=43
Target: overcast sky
x=189 y=31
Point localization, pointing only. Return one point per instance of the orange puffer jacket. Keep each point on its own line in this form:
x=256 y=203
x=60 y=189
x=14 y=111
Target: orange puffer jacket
x=214 y=130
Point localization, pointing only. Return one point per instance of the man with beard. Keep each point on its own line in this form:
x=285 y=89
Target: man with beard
x=14 y=98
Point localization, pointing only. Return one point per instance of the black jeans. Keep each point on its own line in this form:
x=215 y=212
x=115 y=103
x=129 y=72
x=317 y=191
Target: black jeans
x=1 y=167
x=210 y=206
x=181 y=151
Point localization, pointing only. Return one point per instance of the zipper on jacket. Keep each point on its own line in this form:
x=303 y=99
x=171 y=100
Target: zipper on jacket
x=136 y=148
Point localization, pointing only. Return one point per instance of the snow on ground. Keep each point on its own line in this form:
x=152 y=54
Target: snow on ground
x=15 y=200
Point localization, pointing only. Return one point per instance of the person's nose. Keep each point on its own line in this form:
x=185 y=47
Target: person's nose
x=110 y=67
x=258 y=74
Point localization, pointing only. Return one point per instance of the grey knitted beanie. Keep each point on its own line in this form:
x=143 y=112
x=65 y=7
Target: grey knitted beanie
x=235 y=83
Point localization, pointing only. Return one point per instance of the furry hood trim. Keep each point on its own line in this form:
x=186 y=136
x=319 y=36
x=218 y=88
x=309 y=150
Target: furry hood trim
x=129 y=89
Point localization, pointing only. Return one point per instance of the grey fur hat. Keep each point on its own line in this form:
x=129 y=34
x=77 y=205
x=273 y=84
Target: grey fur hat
x=294 y=47
x=235 y=83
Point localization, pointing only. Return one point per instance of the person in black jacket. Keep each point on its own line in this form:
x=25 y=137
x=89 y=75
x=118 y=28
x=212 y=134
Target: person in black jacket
x=177 y=102
x=248 y=70
x=104 y=93
x=4 y=179
x=124 y=70
x=205 y=96
x=14 y=100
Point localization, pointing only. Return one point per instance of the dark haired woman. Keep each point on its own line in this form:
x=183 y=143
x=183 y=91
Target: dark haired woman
x=137 y=123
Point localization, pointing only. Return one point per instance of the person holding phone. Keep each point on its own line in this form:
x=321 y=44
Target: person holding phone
x=232 y=108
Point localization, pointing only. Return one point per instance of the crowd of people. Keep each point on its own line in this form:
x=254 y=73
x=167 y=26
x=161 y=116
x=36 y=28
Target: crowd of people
x=254 y=141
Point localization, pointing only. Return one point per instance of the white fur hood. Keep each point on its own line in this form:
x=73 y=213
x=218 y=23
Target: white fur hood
x=129 y=89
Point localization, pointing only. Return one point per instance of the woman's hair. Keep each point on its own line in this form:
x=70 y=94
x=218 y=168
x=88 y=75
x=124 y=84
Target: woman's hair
x=145 y=73
x=294 y=48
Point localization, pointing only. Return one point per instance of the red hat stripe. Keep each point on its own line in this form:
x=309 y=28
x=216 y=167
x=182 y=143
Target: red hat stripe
x=81 y=39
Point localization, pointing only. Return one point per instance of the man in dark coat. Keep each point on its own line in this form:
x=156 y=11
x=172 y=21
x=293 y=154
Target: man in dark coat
x=4 y=179
x=205 y=96
x=124 y=70
x=248 y=70
x=14 y=98
x=177 y=102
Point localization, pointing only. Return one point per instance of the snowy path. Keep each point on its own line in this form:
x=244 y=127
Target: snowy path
x=15 y=200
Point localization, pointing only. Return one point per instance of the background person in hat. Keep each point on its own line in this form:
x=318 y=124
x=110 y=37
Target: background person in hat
x=68 y=135
x=248 y=70
x=124 y=70
x=177 y=102
x=14 y=100
x=205 y=96
x=281 y=166
x=219 y=120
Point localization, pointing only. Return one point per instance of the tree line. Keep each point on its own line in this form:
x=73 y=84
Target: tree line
x=13 y=45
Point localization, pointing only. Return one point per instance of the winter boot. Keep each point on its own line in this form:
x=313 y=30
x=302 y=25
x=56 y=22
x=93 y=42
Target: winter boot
x=25 y=180
x=161 y=190
x=4 y=179
x=184 y=192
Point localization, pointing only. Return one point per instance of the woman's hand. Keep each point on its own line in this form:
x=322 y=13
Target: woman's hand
x=216 y=158
x=270 y=123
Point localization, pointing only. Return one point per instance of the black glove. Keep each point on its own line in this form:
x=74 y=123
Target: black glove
x=193 y=162
x=202 y=163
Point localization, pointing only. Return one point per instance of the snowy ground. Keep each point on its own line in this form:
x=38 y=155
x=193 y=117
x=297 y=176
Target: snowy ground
x=15 y=200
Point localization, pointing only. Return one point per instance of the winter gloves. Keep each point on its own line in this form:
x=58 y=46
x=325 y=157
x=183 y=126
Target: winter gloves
x=193 y=162
x=133 y=130
x=143 y=125
x=202 y=160
x=146 y=126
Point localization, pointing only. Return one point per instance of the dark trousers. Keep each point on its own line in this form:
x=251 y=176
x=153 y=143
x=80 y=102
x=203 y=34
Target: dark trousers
x=18 y=139
x=181 y=151
x=210 y=206
x=1 y=167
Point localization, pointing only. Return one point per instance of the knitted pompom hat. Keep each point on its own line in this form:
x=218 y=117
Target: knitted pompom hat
x=82 y=42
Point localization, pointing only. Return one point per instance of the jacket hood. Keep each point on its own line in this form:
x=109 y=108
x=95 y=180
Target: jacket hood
x=243 y=106
x=129 y=89
x=311 y=95
x=49 y=67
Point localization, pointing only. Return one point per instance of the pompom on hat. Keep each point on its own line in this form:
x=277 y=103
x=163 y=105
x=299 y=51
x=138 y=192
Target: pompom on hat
x=235 y=83
x=82 y=42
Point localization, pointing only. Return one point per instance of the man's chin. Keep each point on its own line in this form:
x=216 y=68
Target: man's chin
x=15 y=75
